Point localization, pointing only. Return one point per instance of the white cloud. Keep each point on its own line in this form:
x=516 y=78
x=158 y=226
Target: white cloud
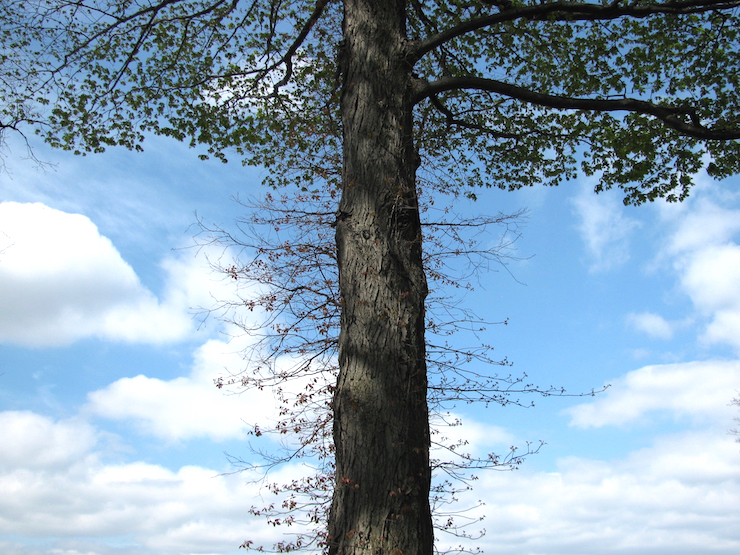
x=651 y=324
x=187 y=407
x=678 y=496
x=701 y=224
x=189 y=510
x=702 y=249
x=133 y=196
x=193 y=407
x=33 y=441
x=694 y=389
x=724 y=329
x=604 y=228
x=61 y=281
x=473 y=437
x=711 y=278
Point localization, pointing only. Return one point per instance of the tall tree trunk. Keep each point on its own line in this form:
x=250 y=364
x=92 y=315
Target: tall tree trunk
x=381 y=424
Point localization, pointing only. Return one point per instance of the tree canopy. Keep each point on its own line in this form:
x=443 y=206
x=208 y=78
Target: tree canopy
x=507 y=93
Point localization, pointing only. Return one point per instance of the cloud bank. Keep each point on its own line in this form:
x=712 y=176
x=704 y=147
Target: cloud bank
x=156 y=510
x=188 y=407
x=693 y=389
x=62 y=281
x=678 y=496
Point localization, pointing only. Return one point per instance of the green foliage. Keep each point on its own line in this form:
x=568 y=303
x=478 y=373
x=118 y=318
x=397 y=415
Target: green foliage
x=259 y=79
x=689 y=61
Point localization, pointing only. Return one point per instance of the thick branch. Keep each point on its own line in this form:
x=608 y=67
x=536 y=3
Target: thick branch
x=567 y=11
x=287 y=59
x=683 y=120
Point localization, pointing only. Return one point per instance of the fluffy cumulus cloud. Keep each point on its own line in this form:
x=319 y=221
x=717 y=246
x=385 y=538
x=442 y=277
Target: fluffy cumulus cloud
x=703 y=249
x=188 y=407
x=604 y=229
x=700 y=390
x=88 y=506
x=677 y=497
x=32 y=441
x=711 y=277
x=61 y=280
x=707 y=221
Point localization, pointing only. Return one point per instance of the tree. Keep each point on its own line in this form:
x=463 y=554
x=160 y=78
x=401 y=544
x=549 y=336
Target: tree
x=362 y=95
x=282 y=261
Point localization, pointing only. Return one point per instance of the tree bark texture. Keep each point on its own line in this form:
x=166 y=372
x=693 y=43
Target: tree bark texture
x=381 y=421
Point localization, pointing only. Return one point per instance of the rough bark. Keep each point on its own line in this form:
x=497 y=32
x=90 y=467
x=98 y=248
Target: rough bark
x=381 y=427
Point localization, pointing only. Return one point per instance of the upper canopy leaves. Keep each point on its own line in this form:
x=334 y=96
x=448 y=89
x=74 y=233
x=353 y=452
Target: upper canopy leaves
x=509 y=93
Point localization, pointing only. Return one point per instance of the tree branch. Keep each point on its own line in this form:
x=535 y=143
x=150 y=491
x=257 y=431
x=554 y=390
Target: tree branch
x=118 y=21
x=683 y=120
x=287 y=59
x=567 y=11
x=453 y=120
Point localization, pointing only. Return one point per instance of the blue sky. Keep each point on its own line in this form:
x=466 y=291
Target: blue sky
x=112 y=436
